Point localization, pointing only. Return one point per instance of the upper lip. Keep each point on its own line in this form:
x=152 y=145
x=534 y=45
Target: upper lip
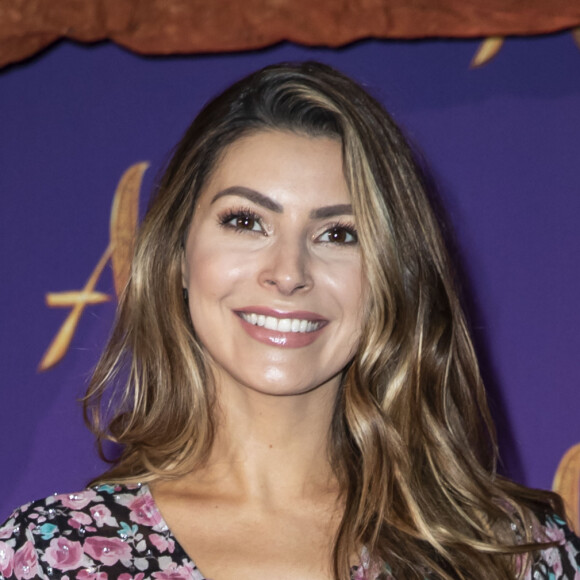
x=281 y=314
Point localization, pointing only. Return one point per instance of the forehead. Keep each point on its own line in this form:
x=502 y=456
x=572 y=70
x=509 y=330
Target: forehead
x=284 y=165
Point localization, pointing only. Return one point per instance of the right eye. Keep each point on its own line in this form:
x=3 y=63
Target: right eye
x=241 y=220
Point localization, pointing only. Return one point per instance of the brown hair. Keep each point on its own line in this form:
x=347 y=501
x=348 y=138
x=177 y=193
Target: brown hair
x=412 y=441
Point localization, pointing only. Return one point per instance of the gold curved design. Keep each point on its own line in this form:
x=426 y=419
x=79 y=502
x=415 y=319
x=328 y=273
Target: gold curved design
x=567 y=484
x=486 y=51
x=124 y=218
x=123 y=227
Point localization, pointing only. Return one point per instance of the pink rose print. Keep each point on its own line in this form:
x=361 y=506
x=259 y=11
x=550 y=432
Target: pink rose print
x=555 y=534
x=102 y=516
x=177 y=573
x=6 y=559
x=368 y=569
x=25 y=562
x=7 y=530
x=86 y=575
x=63 y=554
x=553 y=559
x=144 y=511
x=162 y=544
x=76 y=501
x=107 y=550
x=126 y=576
x=79 y=519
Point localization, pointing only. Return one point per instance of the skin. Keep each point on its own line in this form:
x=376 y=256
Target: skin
x=266 y=503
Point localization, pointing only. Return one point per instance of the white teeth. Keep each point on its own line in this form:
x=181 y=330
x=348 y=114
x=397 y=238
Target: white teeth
x=280 y=324
x=285 y=325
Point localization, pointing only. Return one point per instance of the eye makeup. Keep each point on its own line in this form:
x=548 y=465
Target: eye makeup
x=241 y=220
x=340 y=233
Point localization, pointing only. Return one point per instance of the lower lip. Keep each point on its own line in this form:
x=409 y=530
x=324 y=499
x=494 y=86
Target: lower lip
x=281 y=339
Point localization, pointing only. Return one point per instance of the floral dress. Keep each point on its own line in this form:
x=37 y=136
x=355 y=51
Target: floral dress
x=117 y=532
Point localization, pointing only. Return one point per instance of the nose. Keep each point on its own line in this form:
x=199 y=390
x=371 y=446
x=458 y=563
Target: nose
x=287 y=267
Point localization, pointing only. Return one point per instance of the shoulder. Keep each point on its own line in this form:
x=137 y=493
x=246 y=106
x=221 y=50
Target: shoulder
x=71 y=514
x=561 y=561
x=104 y=531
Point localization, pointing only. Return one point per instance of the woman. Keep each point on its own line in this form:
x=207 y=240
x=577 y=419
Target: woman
x=290 y=375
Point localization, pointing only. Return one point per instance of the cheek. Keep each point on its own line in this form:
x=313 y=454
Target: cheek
x=215 y=279
x=354 y=299
x=345 y=282
x=354 y=294
x=209 y=280
x=211 y=269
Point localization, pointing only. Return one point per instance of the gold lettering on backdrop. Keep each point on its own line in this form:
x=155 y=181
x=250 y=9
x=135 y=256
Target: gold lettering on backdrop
x=567 y=484
x=123 y=226
x=486 y=51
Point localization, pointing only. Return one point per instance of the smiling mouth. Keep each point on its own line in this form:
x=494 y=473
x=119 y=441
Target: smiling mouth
x=282 y=324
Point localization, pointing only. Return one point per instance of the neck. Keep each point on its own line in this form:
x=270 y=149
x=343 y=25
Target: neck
x=271 y=448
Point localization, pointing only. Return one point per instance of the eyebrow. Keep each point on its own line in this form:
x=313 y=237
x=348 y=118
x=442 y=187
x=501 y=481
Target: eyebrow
x=251 y=195
x=331 y=211
x=268 y=203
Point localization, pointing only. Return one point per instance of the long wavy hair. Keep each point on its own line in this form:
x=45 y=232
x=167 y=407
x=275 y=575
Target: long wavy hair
x=412 y=443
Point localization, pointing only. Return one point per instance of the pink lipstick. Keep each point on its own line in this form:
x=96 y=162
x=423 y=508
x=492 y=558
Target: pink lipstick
x=293 y=329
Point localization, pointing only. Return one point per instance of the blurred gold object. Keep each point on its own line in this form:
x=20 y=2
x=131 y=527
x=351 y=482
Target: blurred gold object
x=124 y=218
x=60 y=343
x=486 y=51
x=123 y=227
x=72 y=298
x=567 y=484
x=576 y=36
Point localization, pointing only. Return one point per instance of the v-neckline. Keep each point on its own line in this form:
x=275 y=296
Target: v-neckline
x=178 y=547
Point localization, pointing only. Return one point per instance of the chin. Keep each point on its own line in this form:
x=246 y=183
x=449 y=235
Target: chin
x=279 y=382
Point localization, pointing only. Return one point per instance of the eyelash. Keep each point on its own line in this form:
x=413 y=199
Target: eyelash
x=225 y=218
x=237 y=214
x=341 y=226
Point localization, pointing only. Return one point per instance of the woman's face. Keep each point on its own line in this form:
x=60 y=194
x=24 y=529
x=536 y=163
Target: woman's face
x=273 y=266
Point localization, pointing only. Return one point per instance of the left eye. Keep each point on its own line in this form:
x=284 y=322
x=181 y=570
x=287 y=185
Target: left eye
x=339 y=235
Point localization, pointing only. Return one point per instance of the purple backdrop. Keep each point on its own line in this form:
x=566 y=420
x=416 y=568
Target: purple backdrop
x=502 y=145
